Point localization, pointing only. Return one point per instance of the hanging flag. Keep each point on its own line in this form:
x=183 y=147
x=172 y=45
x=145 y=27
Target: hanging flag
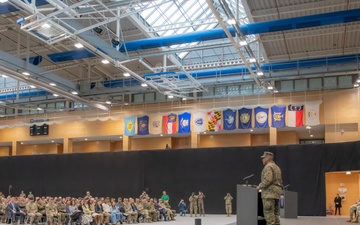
x=129 y=126
x=295 y=116
x=245 y=118
x=143 y=125
x=278 y=116
x=184 y=123
x=155 y=124
x=229 y=119
x=261 y=117
x=169 y=124
x=199 y=121
x=312 y=114
x=214 y=120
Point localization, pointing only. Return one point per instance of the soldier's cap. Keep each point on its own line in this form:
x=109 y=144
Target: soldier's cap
x=31 y=198
x=267 y=154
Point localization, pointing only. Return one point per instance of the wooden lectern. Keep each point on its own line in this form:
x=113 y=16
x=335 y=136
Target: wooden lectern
x=249 y=208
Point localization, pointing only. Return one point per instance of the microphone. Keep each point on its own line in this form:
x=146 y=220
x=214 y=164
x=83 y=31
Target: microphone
x=247 y=178
x=286 y=187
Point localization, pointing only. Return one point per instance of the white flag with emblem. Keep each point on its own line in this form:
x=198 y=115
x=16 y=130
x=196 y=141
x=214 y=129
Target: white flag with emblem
x=312 y=114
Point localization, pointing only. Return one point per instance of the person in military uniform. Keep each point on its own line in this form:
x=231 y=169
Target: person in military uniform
x=193 y=204
x=228 y=205
x=41 y=207
x=144 y=195
x=61 y=208
x=51 y=211
x=354 y=211
x=201 y=197
x=30 y=195
x=87 y=196
x=171 y=213
x=2 y=195
x=270 y=186
x=132 y=216
x=22 y=194
x=32 y=212
x=155 y=214
x=142 y=212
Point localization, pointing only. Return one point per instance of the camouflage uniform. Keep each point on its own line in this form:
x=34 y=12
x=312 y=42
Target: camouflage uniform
x=171 y=213
x=62 y=214
x=132 y=216
x=51 y=212
x=32 y=210
x=271 y=184
x=201 y=197
x=41 y=208
x=228 y=205
x=193 y=204
x=152 y=212
x=354 y=209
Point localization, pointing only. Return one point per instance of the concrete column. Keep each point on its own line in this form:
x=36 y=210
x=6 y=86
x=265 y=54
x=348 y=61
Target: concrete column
x=273 y=136
x=126 y=143
x=195 y=140
x=68 y=146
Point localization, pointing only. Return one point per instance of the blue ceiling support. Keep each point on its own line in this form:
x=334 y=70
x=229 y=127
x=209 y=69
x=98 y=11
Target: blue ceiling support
x=6 y=7
x=24 y=94
x=71 y=55
x=248 y=29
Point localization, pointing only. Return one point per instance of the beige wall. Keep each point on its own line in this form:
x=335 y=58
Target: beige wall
x=156 y=143
x=181 y=142
x=37 y=149
x=5 y=150
x=91 y=146
x=224 y=140
x=260 y=139
x=332 y=185
x=116 y=146
x=287 y=138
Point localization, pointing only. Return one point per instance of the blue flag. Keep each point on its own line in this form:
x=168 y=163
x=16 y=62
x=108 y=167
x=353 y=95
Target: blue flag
x=143 y=125
x=261 y=117
x=129 y=126
x=245 y=116
x=229 y=116
x=278 y=116
x=184 y=123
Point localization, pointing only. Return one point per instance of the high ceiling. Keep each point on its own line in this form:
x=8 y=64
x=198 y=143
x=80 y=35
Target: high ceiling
x=174 y=48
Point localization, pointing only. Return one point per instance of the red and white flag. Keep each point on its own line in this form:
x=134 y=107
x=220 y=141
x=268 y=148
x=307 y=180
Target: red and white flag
x=169 y=123
x=295 y=116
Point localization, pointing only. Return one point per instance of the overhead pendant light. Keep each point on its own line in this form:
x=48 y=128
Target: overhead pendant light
x=243 y=43
x=52 y=84
x=126 y=74
x=74 y=93
x=78 y=45
x=105 y=61
x=46 y=26
x=26 y=73
x=144 y=85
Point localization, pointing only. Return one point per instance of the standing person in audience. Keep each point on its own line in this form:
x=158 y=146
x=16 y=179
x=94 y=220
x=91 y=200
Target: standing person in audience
x=87 y=196
x=270 y=186
x=193 y=204
x=22 y=194
x=51 y=211
x=337 y=202
x=201 y=197
x=30 y=195
x=228 y=205
x=165 y=197
x=32 y=211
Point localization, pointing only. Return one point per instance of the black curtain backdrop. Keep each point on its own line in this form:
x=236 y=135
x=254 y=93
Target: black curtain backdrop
x=214 y=171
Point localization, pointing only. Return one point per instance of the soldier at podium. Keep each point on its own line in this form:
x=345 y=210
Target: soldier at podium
x=270 y=186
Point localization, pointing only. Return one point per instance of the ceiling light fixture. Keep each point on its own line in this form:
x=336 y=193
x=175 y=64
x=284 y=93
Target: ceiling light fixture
x=26 y=73
x=260 y=73
x=311 y=135
x=98 y=30
x=356 y=85
x=55 y=95
x=276 y=91
x=115 y=42
x=348 y=173
x=308 y=127
x=32 y=86
x=231 y=21
x=74 y=92
x=251 y=130
x=108 y=102
x=52 y=84
x=39 y=108
x=184 y=99
x=252 y=60
x=3 y=1
x=85 y=139
x=243 y=43
x=144 y=85
x=126 y=74
x=52 y=141
x=4 y=76
x=78 y=45
x=105 y=61
x=270 y=87
x=46 y=26
x=358 y=80
x=170 y=96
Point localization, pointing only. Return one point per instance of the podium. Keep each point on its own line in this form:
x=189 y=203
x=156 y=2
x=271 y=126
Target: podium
x=249 y=208
x=288 y=204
